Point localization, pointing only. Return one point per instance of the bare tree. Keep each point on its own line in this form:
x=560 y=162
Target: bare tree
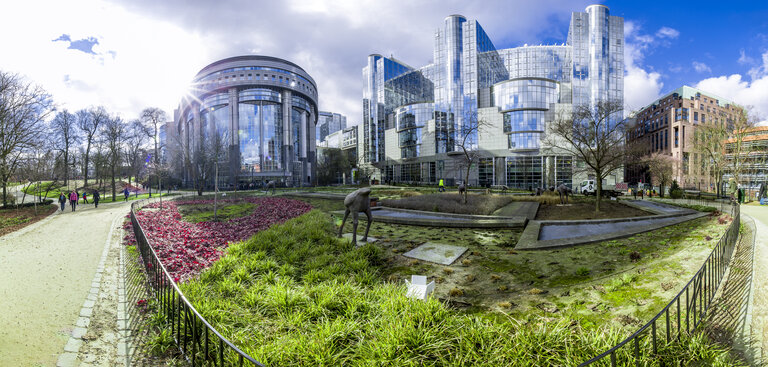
x=135 y=148
x=151 y=120
x=113 y=135
x=466 y=140
x=89 y=121
x=200 y=158
x=595 y=136
x=23 y=110
x=64 y=132
x=709 y=141
x=661 y=168
x=737 y=146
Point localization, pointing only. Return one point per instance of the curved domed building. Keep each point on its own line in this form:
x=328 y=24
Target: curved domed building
x=257 y=114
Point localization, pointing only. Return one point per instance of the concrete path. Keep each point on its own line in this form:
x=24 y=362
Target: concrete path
x=46 y=272
x=757 y=318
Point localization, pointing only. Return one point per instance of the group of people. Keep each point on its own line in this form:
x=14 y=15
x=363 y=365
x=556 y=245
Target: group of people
x=74 y=196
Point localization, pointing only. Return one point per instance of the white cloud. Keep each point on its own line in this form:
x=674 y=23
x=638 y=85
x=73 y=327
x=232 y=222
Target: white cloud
x=759 y=71
x=137 y=62
x=744 y=59
x=701 y=67
x=667 y=32
x=641 y=87
x=161 y=45
x=740 y=91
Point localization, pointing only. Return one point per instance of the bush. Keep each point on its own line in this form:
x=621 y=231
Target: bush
x=675 y=192
x=28 y=205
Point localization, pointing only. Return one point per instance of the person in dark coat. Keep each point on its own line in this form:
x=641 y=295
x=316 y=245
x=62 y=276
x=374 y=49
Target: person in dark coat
x=96 y=198
x=62 y=200
x=126 y=193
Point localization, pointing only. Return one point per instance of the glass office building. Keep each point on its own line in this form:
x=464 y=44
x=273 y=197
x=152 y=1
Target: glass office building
x=417 y=121
x=256 y=114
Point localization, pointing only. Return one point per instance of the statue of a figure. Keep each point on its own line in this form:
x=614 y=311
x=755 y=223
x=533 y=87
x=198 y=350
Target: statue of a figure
x=563 y=191
x=762 y=191
x=462 y=189
x=539 y=191
x=356 y=202
x=271 y=184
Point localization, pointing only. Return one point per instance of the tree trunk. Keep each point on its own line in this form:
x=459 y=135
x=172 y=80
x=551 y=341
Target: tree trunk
x=113 y=183
x=85 y=167
x=66 y=167
x=599 y=190
x=5 y=182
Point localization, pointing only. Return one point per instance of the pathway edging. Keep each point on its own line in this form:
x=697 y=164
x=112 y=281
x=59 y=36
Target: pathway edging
x=72 y=348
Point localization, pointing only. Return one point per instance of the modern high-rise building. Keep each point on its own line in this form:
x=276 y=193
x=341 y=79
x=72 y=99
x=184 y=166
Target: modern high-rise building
x=329 y=123
x=668 y=126
x=416 y=120
x=257 y=114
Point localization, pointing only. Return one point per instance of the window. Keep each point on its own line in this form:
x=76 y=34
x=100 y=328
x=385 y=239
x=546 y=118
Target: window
x=695 y=116
x=677 y=139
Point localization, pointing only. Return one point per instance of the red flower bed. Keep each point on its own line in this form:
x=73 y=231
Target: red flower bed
x=185 y=248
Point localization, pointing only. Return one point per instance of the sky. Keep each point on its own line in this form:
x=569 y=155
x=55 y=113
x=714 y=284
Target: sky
x=131 y=54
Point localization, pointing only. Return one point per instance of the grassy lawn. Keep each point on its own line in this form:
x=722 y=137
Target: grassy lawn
x=107 y=197
x=295 y=295
x=53 y=189
x=226 y=211
x=451 y=203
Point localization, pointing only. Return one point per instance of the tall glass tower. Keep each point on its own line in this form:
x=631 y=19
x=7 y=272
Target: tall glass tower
x=414 y=118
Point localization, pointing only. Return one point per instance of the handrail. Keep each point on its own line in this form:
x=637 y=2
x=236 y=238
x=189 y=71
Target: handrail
x=704 y=283
x=178 y=309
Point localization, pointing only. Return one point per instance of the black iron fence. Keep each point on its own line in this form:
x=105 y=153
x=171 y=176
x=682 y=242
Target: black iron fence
x=197 y=340
x=684 y=313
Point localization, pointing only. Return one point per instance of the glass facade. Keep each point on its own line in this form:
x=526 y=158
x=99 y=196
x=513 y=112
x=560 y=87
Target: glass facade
x=470 y=79
x=525 y=172
x=410 y=121
x=260 y=112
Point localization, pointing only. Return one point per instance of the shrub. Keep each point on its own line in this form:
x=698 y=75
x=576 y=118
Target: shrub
x=675 y=192
x=582 y=271
x=634 y=256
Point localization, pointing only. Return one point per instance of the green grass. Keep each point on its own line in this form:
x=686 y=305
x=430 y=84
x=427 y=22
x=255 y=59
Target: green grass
x=226 y=211
x=12 y=221
x=295 y=295
x=701 y=208
x=106 y=197
x=53 y=190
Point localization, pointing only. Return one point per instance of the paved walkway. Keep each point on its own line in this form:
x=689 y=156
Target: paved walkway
x=757 y=318
x=47 y=270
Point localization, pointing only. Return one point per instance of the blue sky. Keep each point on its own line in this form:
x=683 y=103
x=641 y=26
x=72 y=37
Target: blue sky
x=131 y=54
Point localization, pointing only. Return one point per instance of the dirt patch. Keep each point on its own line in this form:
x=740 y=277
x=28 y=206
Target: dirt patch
x=15 y=219
x=586 y=210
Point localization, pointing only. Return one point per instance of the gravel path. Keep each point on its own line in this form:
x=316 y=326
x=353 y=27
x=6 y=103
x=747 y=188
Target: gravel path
x=47 y=270
x=758 y=317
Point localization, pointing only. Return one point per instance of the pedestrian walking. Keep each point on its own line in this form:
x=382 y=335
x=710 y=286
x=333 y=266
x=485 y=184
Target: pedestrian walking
x=126 y=193
x=96 y=198
x=85 y=197
x=73 y=199
x=62 y=200
x=441 y=187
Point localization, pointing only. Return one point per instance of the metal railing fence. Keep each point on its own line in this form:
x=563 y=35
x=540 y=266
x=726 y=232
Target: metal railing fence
x=197 y=340
x=686 y=310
